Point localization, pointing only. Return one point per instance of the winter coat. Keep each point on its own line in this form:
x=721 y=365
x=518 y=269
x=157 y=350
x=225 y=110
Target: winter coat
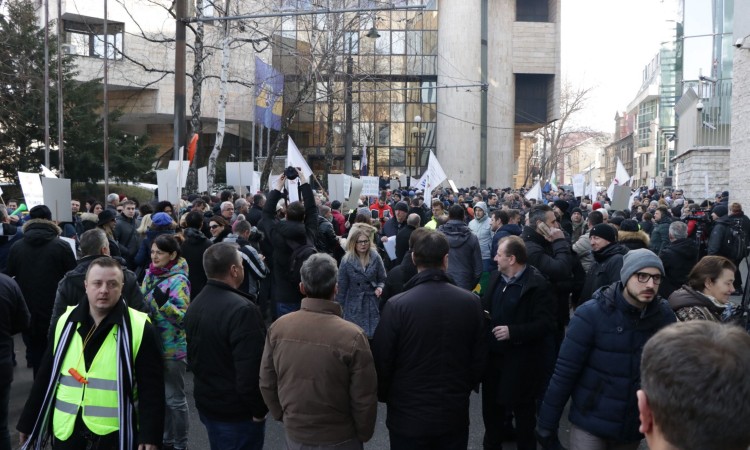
x=582 y=248
x=720 y=234
x=392 y=227
x=430 y=351
x=280 y=233
x=402 y=243
x=605 y=270
x=660 y=235
x=689 y=304
x=10 y=235
x=255 y=268
x=553 y=259
x=71 y=290
x=126 y=235
x=14 y=318
x=464 y=256
x=225 y=337
x=577 y=230
x=356 y=290
x=38 y=262
x=169 y=317
x=510 y=229
x=481 y=229
x=327 y=240
x=599 y=365
x=633 y=240
x=679 y=257
x=647 y=226
x=337 y=400
x=254 y=215
x=397 y=279
x=339 y=222
x=195 y=245
x=531 y=321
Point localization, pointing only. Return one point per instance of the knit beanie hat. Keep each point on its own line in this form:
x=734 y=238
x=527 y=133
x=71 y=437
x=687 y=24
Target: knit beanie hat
x=721 y=210
x=635 y=260
x=629 y=225
x=562 y=204
x=604 y=231
x=596 y=206
x=401 y=206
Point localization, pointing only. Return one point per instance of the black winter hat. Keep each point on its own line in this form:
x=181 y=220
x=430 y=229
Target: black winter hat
x=720 y=210
x=629 y=225
x=401 y=206
x=562 y=204
x=106 y=217
x=40 y=212
x=604 y=231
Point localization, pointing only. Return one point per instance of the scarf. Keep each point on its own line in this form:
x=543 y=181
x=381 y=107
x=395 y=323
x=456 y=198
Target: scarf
x=41 y=433
x=161 y=271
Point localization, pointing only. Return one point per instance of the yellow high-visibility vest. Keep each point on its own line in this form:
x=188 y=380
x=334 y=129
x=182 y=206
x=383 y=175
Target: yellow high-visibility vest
x=98 y=398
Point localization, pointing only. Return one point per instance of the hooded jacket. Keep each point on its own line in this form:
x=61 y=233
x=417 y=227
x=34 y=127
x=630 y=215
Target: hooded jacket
x=481 y=228
x=465 y=255
x=605 y=270
x=689 y=304
x=599 y=365
x=633 y=240
x=660 y=235
x=720 y=234
x=38 y=262
x=168 y=317
x=195 y=245
x=678 y=257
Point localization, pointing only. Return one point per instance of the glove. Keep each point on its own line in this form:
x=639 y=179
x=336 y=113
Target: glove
x=545 y=437
x=161 y=297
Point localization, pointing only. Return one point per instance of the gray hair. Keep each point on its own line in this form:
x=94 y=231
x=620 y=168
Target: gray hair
x=239 y=203
x=678 y=230
x=225 y=204
x=93 y=241
x=242 y=226
x=113 y=197
x=319 y=275
x=413 y=220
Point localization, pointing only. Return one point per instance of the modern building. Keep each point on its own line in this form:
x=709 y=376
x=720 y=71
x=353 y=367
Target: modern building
x=460 y=79
x=739 y=158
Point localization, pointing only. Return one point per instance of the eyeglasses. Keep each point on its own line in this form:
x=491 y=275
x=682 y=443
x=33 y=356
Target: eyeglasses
x=643 y=277
x=213 y=227
x=363 y=242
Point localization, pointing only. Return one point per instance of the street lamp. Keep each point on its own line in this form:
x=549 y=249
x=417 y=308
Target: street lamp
x=418 y=133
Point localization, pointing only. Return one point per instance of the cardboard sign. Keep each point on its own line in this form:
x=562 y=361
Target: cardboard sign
x=370 y=186
x=353 y=199
x=579 y=184
x=394 y=185
x=181 y=168
x=31 y=185
x=57 y=197
x=336 y=187
x=621 y=198
x=240 y=174
x=169 y=187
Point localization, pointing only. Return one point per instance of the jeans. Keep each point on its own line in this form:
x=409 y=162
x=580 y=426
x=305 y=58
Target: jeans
x=176 y=415
x=244 y=435
x=457 y=440
x=583 y=440
x=286 y=308
x=4 y=400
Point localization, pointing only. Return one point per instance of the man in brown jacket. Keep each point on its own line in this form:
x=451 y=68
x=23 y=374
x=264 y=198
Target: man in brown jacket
x=317 y=375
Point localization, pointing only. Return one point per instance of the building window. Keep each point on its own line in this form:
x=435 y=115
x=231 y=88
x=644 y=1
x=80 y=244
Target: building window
x=532 y=10
x=84 y=36
x=532 y=98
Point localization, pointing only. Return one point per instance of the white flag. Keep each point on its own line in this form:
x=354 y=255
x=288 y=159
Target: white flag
x=295 y=159
x=433 y=176
x=47 y=173
x=535 y=192
x=611 y=190
x=632 y=198
x=553 y=181
x=621 y=175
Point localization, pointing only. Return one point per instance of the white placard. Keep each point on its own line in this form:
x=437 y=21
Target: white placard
x=370 y=186
x=255 y=187
x=31 y=185
x=404 y=180
x=292 y=189
x=168 y=185
x=295 y=159
x=390 y=247
x=203 y=179
x=57 y=197
x=394 y=184
x=240 y=174
x=181 y=168
x=353 y=199
x=273 y=180
x=579 y=184
x=336 y=189
x=72 y=243
x=453 y=186
x=621 y=198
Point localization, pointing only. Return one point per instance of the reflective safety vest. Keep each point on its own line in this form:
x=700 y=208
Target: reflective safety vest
x=98 y=397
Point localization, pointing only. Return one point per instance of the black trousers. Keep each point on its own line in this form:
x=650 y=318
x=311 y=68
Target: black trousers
x=494 y=415
x=457 y=440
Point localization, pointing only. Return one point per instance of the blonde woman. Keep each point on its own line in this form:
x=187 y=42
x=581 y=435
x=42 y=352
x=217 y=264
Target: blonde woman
x=361 y=279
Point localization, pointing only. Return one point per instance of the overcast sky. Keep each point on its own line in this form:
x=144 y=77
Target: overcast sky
x=606 y=44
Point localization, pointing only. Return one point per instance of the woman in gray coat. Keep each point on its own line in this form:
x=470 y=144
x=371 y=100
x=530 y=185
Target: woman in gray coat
x=361 y=279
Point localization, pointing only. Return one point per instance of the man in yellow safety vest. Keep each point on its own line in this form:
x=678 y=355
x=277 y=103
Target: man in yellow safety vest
x=100 y=384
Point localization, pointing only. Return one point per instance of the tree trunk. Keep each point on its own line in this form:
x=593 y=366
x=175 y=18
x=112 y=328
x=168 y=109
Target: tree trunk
x=222 y=108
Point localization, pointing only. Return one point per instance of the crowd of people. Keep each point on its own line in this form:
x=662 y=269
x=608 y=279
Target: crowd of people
x=313 y=314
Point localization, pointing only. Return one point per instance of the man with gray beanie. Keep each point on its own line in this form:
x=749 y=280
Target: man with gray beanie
x=599 y=361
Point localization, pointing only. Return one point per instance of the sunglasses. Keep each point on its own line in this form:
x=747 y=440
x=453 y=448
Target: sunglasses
x=213 y=227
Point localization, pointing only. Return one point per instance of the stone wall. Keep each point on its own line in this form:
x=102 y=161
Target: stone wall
x=739 y=175
x=692 y=168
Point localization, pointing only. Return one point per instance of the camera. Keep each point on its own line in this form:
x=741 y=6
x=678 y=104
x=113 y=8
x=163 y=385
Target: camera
x=290 y=173
x=699 y=106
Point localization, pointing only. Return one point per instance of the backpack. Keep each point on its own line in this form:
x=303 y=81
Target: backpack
x=300 y=253
x=734 y=246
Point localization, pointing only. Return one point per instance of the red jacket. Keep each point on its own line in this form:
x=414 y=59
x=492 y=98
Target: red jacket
x=338 y=222
x=386 y=207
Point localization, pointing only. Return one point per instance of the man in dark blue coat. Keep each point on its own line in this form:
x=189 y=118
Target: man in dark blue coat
x=600 y=359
